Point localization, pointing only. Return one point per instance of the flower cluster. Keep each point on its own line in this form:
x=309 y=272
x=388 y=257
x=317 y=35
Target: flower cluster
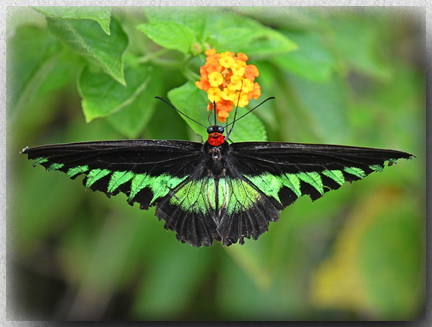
x=228 y=81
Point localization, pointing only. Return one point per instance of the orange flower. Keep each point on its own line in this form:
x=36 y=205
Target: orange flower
x=222 y=116
x=251 y=72
x=256 y=92
x=228 y=81
x=241 y=56
x=210 y=52
x=203 y=83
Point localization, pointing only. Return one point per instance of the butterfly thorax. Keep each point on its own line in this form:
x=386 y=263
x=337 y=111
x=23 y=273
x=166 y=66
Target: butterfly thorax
x=215 y=150
x=216 y=159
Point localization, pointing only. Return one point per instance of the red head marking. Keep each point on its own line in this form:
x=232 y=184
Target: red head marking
x=215 y=135
x=215 y=139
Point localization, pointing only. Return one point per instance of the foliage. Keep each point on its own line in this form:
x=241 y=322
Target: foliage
x=351 y=76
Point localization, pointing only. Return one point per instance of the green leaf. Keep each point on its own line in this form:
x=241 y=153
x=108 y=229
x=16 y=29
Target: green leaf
x=231 y=37
x=88 y=40
x=294 y=18
x=268 y=42
x=34 y=53
x=134 y=117
x=65 y=72
x=170 y=35
x=102 y=15
x=223 y=30
x=102 y=96
x=193 y=17
x=231 y=32
x=193 y=102
x=311 y=60
x=249 y=128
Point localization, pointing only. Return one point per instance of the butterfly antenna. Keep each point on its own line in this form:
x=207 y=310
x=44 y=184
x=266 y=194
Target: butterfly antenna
x=214 y=112
x=235 y=113
x=226 y=128
x=270 y=98
x=172 y=106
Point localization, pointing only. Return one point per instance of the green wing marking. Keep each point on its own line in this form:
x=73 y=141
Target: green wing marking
x=55 y=166
x=160 y=185
x=96 y=174
x=238 y=195
x=271 y=185
x=72 y=172
x=378 y=168
x=313 y=179
x=355 y=171
x=292 y=182
x=118 y=178
x=207 y=194
x=227 y=209
x=335 y=175
x=39 y=161
x=193 y=196
x=268 y=184
x=139 y=182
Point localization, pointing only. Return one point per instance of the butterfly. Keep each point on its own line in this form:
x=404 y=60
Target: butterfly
x=216 y=190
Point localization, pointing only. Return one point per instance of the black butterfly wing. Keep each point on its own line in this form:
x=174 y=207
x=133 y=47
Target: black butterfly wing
x=260 y=179
x=145 y=170
x=286 y=171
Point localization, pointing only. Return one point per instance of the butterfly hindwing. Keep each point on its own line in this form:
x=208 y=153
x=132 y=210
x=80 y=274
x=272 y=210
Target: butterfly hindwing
x=145 y=170
x=226 y=209
x=286 y=171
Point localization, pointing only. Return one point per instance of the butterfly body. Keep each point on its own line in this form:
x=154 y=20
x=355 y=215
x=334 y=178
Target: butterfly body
x=215 y=191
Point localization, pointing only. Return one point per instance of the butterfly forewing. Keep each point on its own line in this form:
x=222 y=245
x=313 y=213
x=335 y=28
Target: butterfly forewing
x=286 y=171
x=143 y=169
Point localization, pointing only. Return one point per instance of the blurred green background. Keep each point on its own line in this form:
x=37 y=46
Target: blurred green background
x=351 y=76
